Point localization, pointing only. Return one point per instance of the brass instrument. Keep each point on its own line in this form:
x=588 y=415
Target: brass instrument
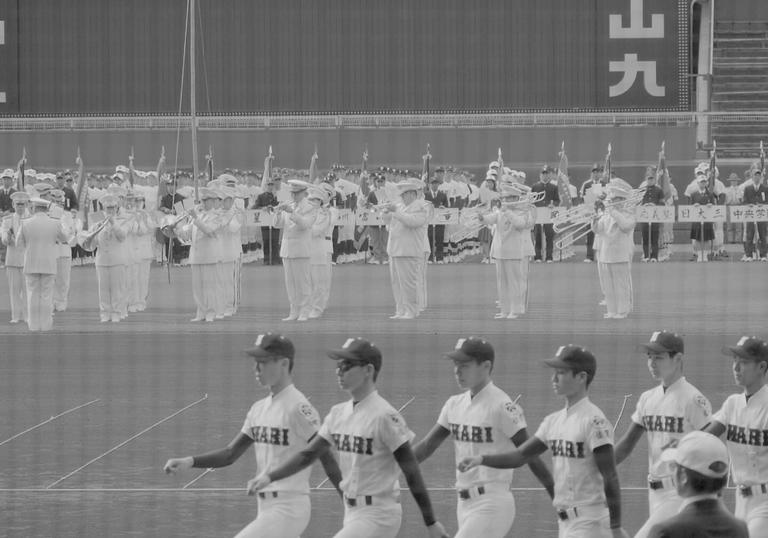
x=86 y=241
x=169 y=223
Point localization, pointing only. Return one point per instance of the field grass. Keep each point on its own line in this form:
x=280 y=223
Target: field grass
x=155 y=363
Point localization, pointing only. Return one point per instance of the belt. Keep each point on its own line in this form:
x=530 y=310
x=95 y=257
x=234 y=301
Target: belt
x=267 y=494
x=353 y=501
x=661 y=483
x=568 y=513
x=469 y=493
x=748 y=491
x=328 y=238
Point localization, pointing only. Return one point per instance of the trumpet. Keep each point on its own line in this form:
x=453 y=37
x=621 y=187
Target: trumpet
x=87 y=238
x=168 y=228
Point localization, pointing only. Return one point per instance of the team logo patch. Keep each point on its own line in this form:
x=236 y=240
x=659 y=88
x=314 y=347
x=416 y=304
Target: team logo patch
x=600 y=423
x=309 y=413
x=702 y=402
x=742 y=341
x=460 y=342
x=655 y=336
x=514 y=411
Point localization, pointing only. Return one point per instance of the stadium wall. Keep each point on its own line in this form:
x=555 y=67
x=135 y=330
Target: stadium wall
x=741 y=10
x=94 y=57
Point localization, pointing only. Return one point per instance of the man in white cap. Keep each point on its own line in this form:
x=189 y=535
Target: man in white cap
x=142 y=228
x=511 y=249
x=203 y=232
x=296 y=220
x=664 y=414
x=406 y=247
x=613 y=229
x=64 y=260
x=108 y=238
x=14 y=256
x=232 y=249
x=321 y=247
x=6 y=190
x=743 y=418
x=701 y=473
x=39 y=234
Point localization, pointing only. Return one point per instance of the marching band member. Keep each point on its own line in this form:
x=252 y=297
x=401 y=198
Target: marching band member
x=551 y=199
x=614 y=228
x=377 y=235
x=229 y=267
x=14 y=256
x=321 y=248
x=296 y=219
x=406 y=247
x=142 y=229
x=203 y=231
x=511 y=249
x=593 y=190
x=64 y=260
x=39 y=234
x=702 y=232
x=107 y=237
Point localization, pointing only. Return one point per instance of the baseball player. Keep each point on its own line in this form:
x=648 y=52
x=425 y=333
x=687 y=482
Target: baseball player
x=587 y=494
x=373 y=444
x=278 y=426
x=744 y=420
x=665 y=413
x=481 y=420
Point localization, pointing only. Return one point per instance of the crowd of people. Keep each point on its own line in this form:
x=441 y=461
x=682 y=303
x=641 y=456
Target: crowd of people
x=125 y=221
x=364 y=444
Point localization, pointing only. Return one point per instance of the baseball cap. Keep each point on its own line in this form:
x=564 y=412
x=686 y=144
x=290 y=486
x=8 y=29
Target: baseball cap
x=358 y=349
x=664 y=342
x=547 y=169
x=470 y=349
x=574 y=358
x=750 y=348
x=270 y=345
x=701 y=452
x=7 y=173
x=597 y=167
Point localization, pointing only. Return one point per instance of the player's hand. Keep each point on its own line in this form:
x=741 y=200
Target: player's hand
x=436 y=530
x=175 y=465
x=619 y=532
x=258 y=483
x=469 y=463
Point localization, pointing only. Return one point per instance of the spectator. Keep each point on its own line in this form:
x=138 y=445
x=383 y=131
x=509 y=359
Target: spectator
x=654 y=195
x=270 y=236
x=756 y=193
x=551 y=199
x=436 y=232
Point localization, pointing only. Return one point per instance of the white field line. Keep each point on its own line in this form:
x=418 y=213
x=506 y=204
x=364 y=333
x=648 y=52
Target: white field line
x=51 y=419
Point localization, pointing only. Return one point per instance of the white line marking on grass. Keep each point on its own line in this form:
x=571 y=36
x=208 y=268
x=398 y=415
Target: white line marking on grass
x=145 y=430
x=208 y=470
x=51 y=419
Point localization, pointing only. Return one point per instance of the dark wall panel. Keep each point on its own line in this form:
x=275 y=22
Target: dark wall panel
x=741 y=10
x=294 y=56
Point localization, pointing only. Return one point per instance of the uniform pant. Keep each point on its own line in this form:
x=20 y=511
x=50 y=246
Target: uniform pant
x=61 y=284
x=512 y=285
x=205 y=290
x=298 y=284
x=406 y=281
x=618 y=287
x=284 y=516
x=144 y=267
x=549 y=236
x=320 y=274
x=132 y=286
x=749 y=248
x=226 y=282
x=662 y=505
x=754 y=511
x=112 y=291
x=591 y=245
x=423 y=284
x=17 y=289
x=40 y=301
x=650 y=234
x=270 y=245
x=378 y=237
x=375 y=521
x=436 y=236
x=592 y=522
x=487 y=516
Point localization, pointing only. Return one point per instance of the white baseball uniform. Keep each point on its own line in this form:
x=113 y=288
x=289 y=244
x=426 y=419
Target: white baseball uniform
x=667 y=415
x=281 y=425
x=365 y=435
x=746 y=436
x=572 y=434
x=483 y=425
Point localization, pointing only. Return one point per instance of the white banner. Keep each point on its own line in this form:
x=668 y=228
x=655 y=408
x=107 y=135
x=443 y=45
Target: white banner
x=748 y=213
x=345 y=217
x=701 y=213
x=368 y=217
x=446 y=215
x=655 y=213
x=259 y=217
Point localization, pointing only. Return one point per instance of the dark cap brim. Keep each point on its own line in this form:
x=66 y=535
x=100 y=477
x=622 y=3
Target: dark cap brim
x=258 y=353
x=557 y=363
x=458 y=355
x=655 y=348
x=731 y=351
x=343 y=354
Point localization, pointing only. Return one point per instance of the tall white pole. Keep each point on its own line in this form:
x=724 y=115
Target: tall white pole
x=192 y=101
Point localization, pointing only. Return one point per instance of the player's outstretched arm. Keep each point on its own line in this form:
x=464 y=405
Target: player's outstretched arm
x=513 y=459
x=606 y=464
x=537 y=467
x=296 y=463
x=331 y=468
x=218 y=458
x=715 y=428
x=427 y=446
x=627 y=443
x=410 y=467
